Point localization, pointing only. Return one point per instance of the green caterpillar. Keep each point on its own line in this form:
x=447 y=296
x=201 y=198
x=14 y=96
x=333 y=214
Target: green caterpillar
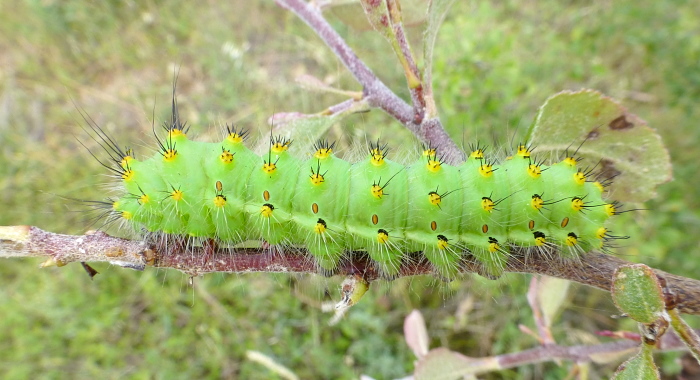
x=329 y=206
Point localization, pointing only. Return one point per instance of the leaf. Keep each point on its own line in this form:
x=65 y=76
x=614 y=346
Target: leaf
x=378 y=15
x=620 y=143
x=416 y=334
x=443 y=364
x=437 y=10
x=551 y=294
x=638 y=367
x=636 y=292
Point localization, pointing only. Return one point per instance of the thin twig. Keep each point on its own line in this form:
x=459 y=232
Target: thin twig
x=581 y=354
x=375 y=91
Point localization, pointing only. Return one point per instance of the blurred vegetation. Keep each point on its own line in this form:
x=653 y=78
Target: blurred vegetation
x=496 y=62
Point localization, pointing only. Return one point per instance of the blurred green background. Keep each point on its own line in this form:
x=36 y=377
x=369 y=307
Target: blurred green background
x=495 y=63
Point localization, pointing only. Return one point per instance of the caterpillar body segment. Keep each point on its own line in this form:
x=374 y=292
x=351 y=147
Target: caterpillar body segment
x=486 y=215
x=377 y=210
x=434 y=212
x=329 y=206
x=320 y=207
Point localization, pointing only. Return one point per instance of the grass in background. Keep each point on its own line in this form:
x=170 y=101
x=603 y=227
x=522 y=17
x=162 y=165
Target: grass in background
x=496 y=62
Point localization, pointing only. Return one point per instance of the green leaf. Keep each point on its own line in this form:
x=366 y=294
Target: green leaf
x=638 y=367
x=443 y=364
x=378 y=15
x=552 y=294
x=620 y=143
x=636 y=292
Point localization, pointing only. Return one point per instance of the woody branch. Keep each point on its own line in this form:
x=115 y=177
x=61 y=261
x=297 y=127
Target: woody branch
x=593 y=268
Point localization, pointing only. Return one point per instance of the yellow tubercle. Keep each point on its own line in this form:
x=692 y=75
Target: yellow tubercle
x=281 y=145
x=226 y=156
x=577 y=204
x=487 y=204
x=580 y=178
x=176 y=133
x=600 y=234
x=486 y=170
x=266 y=210
x=126 y=161
x=434 y=166
x=570 y=161
x=316 y=179
x=523 y=151
x=269 y=167
x=493 y=245
x=320 y=227
x=537 y=202
x=534 y=170
x=377 y=191
x=169 y=155
x=442 y=242
x=144 y=199
x=377 y=156
x=540 y=239
x=434 y=198
x=478 y=154
x=571 y=239
x=234 y=138
x=128 y=175
x=323 y=153
x=430 y=152
x=127 y=215
x=219 y=201
x=610 y=209
x=599 y=186
x=177 y=195
x=382 y=237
